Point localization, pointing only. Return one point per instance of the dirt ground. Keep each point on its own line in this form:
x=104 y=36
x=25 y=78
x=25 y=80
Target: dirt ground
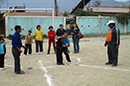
x=87 y=68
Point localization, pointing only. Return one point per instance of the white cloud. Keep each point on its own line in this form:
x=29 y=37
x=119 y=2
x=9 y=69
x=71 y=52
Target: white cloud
x=122 y=0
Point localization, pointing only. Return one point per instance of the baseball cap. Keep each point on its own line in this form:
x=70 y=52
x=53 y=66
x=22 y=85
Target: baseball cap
x=111 y=22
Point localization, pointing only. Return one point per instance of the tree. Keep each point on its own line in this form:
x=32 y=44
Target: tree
x=97 y=3
x=65 y=14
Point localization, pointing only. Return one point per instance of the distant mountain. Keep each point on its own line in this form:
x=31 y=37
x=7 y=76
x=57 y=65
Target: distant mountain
x=111 y=3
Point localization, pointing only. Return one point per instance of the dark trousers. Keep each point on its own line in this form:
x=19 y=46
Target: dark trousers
x=39 y=44
x=113 y=55
x=2 y=60
x=51 y=41
x=66 y=54
x=59 y=56
x=28 y=46
x=16 y=55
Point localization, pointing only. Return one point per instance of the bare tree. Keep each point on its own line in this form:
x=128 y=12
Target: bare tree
x=97 y=2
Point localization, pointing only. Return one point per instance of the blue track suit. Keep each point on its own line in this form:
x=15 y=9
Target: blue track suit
x=112 y=50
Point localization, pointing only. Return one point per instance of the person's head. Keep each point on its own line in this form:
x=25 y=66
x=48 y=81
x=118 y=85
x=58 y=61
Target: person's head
x=111 y=23
x=61 y=26
x=29 y=32
x=75 y=25
x=50 y=28
x=10 y=8
x=65 y=35
x=3 y=36
x=17 y=28
x=38 y=27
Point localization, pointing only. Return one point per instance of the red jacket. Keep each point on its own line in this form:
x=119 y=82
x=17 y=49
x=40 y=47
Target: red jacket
x=53 y=33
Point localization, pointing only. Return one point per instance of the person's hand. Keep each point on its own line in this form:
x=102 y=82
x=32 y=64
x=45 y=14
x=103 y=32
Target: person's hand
x=51 y=35
x=20 y=50
x=72 y=33
x=35 y=41
x=24 y=47
x=105 y=44
x=26 y=41
x=42 y=42
x=117 y=47
x=30 y=43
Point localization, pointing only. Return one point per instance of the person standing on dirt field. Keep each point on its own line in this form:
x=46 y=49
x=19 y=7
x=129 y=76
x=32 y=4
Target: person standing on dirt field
x=60 y=31
x=113 y=42
x=16 y=49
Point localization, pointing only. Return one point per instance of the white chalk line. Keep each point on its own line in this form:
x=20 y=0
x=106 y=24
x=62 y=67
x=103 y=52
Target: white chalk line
x=49 y=79
x=103 y=67
x=79 y=60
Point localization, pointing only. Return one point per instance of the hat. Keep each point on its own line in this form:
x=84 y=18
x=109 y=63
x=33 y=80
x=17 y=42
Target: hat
x=111 y=22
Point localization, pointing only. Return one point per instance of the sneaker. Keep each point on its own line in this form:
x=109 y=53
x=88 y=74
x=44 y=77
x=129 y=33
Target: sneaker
x=114 y=65
x=2 y=68
x=68 y=63
x=62 y=64
x=40 y=53
x=37 y=53
x=30 y=54
x=108 y=63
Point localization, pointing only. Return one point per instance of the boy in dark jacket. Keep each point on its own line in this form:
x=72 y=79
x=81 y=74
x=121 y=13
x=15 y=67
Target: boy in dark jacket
x=113 y=42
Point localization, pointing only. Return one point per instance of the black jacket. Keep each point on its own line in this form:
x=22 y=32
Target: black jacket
x=60 y=32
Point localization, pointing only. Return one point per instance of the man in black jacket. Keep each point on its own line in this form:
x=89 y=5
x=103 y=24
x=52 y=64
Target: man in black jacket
x=60 y=31
x=113 y=42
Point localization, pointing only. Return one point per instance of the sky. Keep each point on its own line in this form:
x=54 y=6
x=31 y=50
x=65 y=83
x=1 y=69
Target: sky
x=64 y=5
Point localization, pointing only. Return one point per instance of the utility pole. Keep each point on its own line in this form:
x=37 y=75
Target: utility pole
x=84 y=3
x=56 y=8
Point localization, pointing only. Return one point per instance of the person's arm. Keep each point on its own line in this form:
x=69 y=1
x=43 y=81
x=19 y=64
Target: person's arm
x=42 y=38
x=31 y=40
x=68 y=45
x=4 y=49
x=117 y=38
x=54 y=34
x=72 y=33
x=59 y=37
x=26 y=39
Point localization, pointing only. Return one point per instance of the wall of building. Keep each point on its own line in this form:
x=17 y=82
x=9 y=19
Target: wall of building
x=30 y=23
x=97 y=25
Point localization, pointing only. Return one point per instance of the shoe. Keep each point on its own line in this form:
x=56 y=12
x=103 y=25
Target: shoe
x=108 y=63
x=58 y=63
x=2 y=68
x=37 y=53
x=48 y=52
x=30 y=54
x=40 y=53
x=68 y=63
x=62 y=64
x=74 y=51
x=20 y=72
x=114 y=65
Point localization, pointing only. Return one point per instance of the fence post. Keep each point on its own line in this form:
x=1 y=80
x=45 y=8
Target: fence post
x=125 y=28
x=99 y=19
x=77 y=20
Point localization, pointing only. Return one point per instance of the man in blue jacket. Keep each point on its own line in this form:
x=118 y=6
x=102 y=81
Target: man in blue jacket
x=113 y=42
x=16 y=49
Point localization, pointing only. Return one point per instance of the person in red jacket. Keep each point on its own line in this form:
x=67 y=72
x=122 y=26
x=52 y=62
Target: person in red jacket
x=51 y=35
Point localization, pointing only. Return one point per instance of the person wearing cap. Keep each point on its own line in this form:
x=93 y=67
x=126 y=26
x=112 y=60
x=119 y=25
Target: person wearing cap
x=113 y=42
x=39 y=37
